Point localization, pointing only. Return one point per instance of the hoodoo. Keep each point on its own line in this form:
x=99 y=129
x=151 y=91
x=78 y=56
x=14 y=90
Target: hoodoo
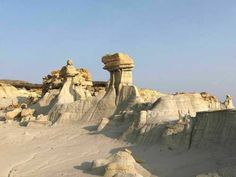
x=120 y=67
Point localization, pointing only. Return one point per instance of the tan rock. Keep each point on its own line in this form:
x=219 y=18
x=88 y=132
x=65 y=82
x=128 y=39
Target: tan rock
x=10 y=96
x=57 y=78
x=119 y=167
x=11 y=115
x=69 y=70
x=84 y=73
x=172 y=107
x=120 y=67
x=42 y=118
x=27 y=112
x=229 y=102
x=121 y=164
x=27 y=119
x=117 y=60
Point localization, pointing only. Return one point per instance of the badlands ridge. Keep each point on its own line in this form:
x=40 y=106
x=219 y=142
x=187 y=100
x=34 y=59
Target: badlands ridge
x=72 y=126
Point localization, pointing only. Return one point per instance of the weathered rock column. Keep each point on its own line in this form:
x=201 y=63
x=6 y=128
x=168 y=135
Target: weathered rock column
x=120 y=67
x=67 y=92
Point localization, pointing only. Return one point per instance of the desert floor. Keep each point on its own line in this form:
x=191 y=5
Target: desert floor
x=69 y=151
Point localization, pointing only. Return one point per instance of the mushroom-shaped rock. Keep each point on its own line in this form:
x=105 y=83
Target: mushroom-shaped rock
x=120 y=66
x=69 y=70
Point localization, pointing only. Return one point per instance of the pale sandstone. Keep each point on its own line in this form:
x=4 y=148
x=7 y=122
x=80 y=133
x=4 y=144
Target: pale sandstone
x=103 y=124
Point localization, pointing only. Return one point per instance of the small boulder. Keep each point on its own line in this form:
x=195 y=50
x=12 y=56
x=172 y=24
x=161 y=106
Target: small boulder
x=121 y=164
x=27 y=112
x=11 y=115
x=42 y=118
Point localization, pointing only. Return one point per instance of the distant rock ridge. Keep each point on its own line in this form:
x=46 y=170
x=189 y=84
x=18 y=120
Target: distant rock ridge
x=70 y=95
x=21 y=84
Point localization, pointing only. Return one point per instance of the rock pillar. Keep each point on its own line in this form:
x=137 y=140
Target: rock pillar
x=120 y=67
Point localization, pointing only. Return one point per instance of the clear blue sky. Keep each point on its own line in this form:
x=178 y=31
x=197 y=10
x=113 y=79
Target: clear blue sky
x=178 y=45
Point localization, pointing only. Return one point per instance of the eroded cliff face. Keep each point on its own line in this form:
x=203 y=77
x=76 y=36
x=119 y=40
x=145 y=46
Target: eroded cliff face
x=170 y=107
x=151 y=118
x=11 y=96
x=213 y=129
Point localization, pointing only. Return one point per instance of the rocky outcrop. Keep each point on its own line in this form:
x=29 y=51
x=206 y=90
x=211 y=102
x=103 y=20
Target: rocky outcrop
x=168 y=108
x=46 y=103
x=69 y=95
x=206 y=130
x=57 y=78
x=12 y=115
x=120 y=93
x=21 y=84
x=121 y=164
x=215 y=128
x=74 y=85
x=11 y=96
x=228 y=103
x=149 y=95
x=150 y=119
x=120 y=67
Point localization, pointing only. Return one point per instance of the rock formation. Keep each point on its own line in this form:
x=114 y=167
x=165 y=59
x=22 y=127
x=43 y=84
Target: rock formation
x=57 y=78
x=120 y=67
x=72 y=83
x=120 y=94
x=70 y=95
x=11 y=96
x=12 y=115
x=180 y=121
x=228 y=102
x=121 y=164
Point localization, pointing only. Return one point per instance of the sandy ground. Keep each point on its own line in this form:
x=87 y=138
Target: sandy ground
x=57 y=151
x=69 y=150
